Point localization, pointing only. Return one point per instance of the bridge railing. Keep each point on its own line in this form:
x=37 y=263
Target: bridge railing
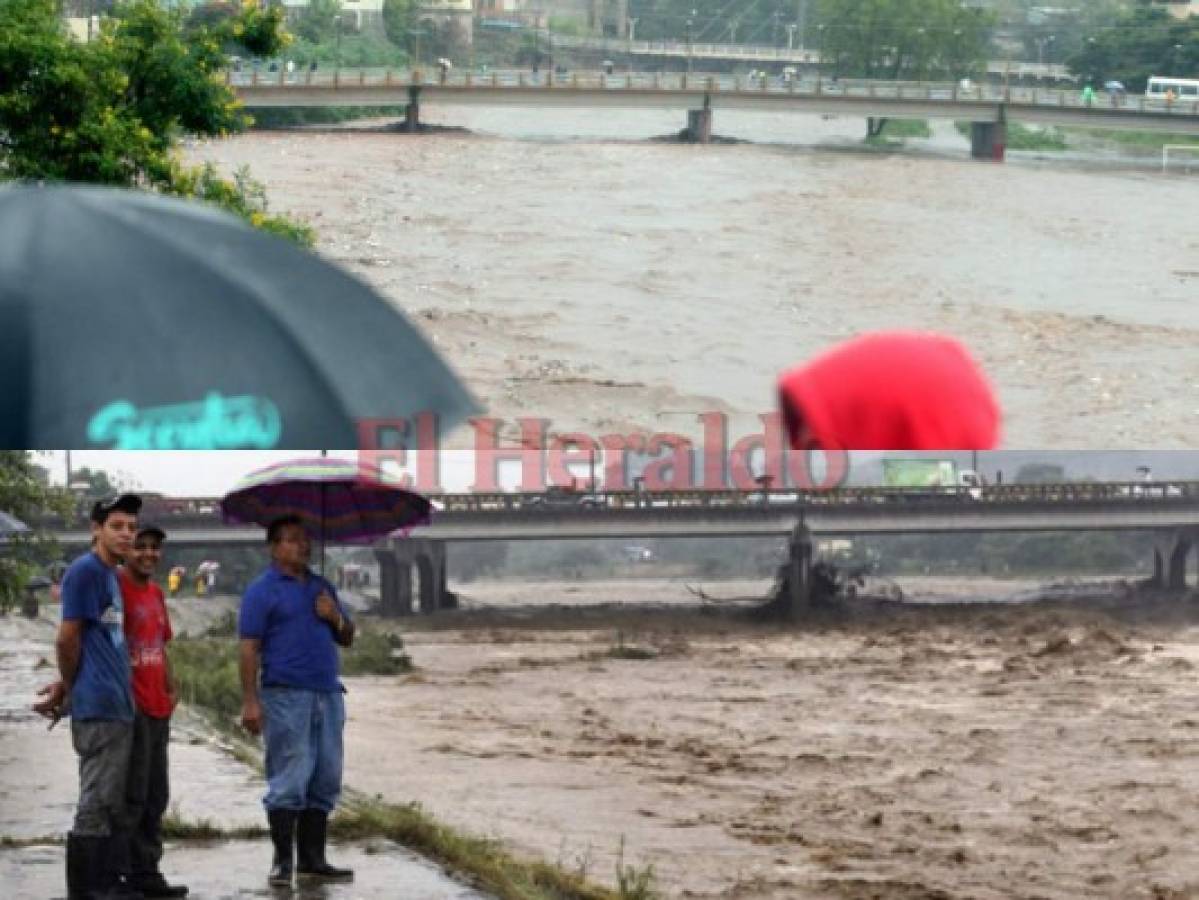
x=203 y=512
x=711 y=83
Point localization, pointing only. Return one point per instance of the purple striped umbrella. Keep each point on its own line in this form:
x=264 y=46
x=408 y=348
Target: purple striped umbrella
x=337 y=500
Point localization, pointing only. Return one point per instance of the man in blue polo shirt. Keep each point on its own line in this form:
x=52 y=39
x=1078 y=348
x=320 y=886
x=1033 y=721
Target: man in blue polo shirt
x=94 y=664
x=291 y=624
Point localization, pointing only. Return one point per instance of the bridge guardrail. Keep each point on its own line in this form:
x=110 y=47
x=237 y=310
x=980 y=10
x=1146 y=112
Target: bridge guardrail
x=714 y=83
x=204 y=511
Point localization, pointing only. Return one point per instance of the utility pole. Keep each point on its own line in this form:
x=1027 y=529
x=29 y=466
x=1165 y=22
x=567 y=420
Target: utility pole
x=690 y=44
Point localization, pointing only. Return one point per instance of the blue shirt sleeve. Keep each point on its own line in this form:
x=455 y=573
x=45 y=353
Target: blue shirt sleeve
x=255 y=604
x=83 y=594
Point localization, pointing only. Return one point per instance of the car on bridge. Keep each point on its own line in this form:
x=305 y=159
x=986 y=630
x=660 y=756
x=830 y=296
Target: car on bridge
x=558 y=497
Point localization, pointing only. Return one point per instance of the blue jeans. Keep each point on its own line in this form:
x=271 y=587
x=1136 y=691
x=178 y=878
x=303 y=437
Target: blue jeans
x=302 y=732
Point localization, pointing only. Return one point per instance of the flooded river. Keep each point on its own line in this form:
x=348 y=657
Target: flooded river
x=573 y=269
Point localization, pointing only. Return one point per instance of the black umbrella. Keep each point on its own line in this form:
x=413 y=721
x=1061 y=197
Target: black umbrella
x=135 y=321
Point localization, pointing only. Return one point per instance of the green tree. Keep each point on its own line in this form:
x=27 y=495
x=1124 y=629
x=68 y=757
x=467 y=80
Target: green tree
x=113 y=110
x=398 y=19
x=319 y=21
x=25 y=493
x=902 y=39
x=1145 y=41
x=98 y=483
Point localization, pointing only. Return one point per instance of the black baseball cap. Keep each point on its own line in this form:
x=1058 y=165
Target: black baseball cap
x=151 y=531
x=126 y=503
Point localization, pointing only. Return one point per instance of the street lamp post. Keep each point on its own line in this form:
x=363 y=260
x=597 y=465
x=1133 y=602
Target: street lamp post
x=791 y=26
x=337 y=51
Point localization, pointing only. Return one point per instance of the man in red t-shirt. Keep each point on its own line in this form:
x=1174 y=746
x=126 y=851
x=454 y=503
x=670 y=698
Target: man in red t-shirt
x=147 y=632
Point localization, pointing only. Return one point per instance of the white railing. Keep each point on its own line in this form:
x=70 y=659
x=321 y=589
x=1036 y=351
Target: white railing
x=513 y=79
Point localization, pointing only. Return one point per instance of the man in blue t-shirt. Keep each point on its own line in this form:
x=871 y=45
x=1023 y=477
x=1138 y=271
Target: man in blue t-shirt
x=94 y=664
x=291 y=624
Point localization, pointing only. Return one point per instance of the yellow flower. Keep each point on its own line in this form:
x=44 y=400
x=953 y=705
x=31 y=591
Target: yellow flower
x=256 y=219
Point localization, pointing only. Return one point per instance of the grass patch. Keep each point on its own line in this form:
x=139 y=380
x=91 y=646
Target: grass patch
x=907 y=128
x=1021 y=137
x=177 y=829
x=207 y=667
x=49 y=840
x=292 y=116
x=484 y=861
x=895 y=131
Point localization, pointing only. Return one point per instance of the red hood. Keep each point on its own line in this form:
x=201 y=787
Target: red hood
x=892 y=391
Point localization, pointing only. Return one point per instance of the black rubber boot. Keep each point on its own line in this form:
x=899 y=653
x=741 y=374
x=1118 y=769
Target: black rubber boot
x=310 y=842
x=90 y=870
x=283 y=830
x=154 y=885
x=81 y=879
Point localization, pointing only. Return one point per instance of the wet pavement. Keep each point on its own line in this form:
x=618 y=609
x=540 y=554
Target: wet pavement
x=38 y=788
x=238 y=869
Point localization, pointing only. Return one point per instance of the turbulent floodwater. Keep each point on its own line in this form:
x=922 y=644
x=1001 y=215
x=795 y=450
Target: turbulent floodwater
x=575 y=270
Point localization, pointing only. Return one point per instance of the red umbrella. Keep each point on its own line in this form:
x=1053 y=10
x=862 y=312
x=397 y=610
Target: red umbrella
x=891 y=391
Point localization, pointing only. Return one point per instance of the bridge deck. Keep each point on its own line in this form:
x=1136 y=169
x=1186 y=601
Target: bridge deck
x=979 y=103
x=626 y=514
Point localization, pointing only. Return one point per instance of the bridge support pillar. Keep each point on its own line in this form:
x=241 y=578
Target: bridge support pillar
x=395 y=584
x=699 y=124
x=1176 y=574
x=799 y=575
x=431 y=568
x=412 y=114
x=988 y=140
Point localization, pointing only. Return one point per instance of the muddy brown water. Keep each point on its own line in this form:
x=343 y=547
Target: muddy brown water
x=948 y=751
x=573 y=270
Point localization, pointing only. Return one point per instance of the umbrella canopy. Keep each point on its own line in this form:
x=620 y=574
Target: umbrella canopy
x=891 y=391
x=338 y=500
x=135 y=321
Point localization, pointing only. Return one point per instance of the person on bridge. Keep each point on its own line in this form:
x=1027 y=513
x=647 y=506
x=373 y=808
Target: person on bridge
x=890 y=391
x=291 y=624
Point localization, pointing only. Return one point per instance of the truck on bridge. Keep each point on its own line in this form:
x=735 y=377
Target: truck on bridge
x=936 y=475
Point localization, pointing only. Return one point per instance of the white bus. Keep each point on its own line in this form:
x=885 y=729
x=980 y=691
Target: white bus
x=1182 y=88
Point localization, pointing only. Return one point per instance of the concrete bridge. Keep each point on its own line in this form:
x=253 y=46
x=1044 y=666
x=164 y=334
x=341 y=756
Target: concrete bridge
x=987 y=107
x=1168 y=509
